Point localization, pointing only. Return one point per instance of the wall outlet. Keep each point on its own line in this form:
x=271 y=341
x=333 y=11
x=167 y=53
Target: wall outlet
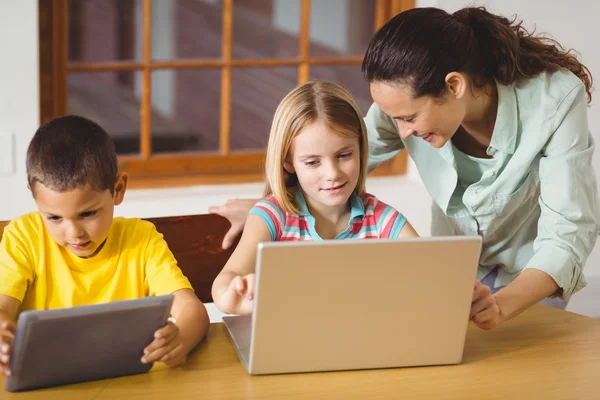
x=7 y=153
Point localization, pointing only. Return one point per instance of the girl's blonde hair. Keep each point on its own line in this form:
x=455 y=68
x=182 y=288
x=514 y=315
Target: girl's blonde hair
x=313 y=101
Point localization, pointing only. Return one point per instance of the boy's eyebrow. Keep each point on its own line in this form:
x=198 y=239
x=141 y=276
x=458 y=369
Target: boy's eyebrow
x=49 y=213
x=94 y=207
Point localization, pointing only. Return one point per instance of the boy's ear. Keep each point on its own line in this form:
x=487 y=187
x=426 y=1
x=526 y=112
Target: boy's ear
x=120 y=187
x=289 y=167
x=31 y=190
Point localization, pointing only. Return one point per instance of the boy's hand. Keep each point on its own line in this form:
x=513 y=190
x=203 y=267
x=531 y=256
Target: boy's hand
x=7 y=335
x=240 y=294
x=166 y=346
x=485 y=312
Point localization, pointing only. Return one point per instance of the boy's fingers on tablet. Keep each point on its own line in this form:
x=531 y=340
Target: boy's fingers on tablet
x=7 y=325
x=166 y=337
x=5 y=347
x=174 y=357
x=159 y=352
x=4 y=370
x=7 y=330
x=152 y=355
x=170 y=329
x=155 y=345
x=6 y=339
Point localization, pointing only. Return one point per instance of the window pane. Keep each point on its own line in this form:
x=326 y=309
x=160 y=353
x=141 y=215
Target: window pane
x=112 y=100
x=185 y=110
x=256 y=93
x=265 y=28
x=341 y=27
x=348 y=76
x=101 y=30
x=186 y=29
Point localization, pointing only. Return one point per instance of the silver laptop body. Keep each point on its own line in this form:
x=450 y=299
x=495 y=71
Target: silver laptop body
x=358 y=304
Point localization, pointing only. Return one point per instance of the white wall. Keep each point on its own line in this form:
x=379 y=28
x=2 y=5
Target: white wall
x=19 y=100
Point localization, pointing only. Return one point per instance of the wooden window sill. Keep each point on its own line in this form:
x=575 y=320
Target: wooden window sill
x=396 y=166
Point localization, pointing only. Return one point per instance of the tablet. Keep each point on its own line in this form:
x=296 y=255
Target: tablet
x=85 y=343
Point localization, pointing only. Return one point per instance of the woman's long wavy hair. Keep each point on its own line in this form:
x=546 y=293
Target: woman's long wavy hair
x=419 y=47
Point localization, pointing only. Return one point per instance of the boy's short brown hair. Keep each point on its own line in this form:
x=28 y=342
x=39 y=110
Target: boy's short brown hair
x=70 y=152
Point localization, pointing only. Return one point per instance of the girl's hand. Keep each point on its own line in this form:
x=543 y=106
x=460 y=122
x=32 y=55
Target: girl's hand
x=239 y=296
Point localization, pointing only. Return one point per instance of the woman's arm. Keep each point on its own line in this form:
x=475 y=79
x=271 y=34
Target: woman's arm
x=568 y=225
x=384 y=138
x=529 y=288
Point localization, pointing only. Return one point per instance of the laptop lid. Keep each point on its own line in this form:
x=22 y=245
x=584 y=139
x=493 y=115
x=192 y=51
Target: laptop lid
x=348 y=304
x=60 y=346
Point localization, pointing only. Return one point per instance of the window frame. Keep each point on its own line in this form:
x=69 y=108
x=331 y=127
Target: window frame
x=181 y=169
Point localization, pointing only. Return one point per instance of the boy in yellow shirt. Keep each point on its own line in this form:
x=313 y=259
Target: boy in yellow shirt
x=73 y=252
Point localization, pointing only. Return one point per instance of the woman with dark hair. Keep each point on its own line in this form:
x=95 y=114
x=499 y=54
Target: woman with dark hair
x=495 y=120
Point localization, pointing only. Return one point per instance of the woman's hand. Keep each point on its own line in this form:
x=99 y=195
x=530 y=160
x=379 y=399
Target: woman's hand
x=236 y=211
x=485 y=312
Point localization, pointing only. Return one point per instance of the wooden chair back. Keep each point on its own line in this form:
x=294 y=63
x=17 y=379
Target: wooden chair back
x=196 y=240
x=2 y=226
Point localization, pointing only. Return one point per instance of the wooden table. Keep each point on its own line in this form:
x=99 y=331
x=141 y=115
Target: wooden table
x=543 y=354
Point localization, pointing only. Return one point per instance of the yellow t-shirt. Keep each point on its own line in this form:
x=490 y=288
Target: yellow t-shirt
x=135 y=262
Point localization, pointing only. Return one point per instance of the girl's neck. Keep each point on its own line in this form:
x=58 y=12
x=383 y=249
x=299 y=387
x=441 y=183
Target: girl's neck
x=329 y=221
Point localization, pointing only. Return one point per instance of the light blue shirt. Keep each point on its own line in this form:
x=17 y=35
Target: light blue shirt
x=470 y=169
x=536 y=205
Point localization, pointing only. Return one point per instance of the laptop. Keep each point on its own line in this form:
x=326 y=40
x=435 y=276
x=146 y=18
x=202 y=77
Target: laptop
x=357 y=304
x=86 y=343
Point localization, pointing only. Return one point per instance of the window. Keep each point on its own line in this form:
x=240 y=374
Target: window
x=187 y=88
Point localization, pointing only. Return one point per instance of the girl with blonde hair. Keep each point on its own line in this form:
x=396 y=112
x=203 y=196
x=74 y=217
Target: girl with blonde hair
x=316 y=168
